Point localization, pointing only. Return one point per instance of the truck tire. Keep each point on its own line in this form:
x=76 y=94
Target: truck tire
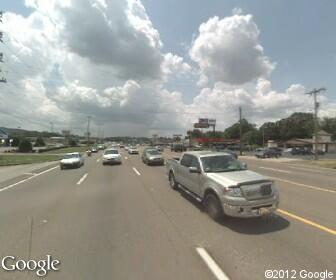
x=213 y=207
x=173 y=184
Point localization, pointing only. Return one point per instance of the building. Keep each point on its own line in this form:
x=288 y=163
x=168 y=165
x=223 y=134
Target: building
x=325 y=143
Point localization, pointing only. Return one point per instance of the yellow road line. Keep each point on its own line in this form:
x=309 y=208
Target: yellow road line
x=303 y=185
x=329 y=230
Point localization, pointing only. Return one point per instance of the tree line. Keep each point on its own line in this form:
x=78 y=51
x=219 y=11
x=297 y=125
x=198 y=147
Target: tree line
x=298 y=125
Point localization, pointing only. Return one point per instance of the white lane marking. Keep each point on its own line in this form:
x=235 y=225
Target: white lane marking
x=303 y=185
x=82 y=179
x=126 y=157
x=98 y=160
x=25 y=180
x=213 y=266
x=29 y=173
x=273 y=169
x=315 y=170
x=136 y=171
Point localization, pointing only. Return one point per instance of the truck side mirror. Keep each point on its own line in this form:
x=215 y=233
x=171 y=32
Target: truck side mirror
x=193 y=169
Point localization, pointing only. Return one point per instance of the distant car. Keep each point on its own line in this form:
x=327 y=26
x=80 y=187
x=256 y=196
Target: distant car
x=178 y=147
x=71 y=160
x=111 y=156
x=266 y=153
x=159 y=148
x=101 y=147
x=133 y=151
x=152 y=157
x=301 y=151
x=121 y=146
x=94 y=150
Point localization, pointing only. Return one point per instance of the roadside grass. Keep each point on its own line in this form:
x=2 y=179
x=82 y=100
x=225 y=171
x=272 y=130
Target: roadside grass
x=80 y=149
x=327 y=163
x=26 y=159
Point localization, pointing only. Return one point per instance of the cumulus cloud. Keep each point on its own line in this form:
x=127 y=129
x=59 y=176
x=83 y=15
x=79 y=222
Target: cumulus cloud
x=70 y=59
x=116 y=33
x=229 y=50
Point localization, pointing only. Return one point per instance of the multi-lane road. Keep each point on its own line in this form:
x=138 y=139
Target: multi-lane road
x=124 y=222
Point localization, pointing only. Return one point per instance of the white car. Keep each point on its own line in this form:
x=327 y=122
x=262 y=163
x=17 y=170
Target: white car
x=72 y=160
x=111 y=156
x=133 y=151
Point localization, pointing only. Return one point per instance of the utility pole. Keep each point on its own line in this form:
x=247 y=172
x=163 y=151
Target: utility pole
x=2 y=79
x=314 y=93
x=240 y=132
x=88 y=131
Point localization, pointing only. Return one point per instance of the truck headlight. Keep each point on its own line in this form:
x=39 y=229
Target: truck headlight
x=236 y=192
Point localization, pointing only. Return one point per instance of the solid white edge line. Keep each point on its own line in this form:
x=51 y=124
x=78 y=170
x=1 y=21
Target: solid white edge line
x=25 y=180
x=82 y=179
x=98 y=160
x=136 y=171
x=277 y=170
x=213 y=266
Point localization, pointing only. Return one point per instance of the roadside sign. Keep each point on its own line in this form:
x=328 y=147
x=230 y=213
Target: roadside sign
x=201 y=125
x=212 y=121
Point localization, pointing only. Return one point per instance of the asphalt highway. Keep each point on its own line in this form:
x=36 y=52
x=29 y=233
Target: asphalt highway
x=124 y=222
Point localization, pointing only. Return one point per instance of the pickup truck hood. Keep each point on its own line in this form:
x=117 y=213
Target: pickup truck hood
x=69 y=160
x=236 y=177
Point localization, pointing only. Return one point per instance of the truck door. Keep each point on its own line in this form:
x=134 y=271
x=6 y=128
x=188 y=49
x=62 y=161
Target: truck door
x=194 y=178
x=183 y=172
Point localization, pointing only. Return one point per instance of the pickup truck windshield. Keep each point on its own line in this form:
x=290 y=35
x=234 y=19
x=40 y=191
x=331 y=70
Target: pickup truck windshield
x=221 y=163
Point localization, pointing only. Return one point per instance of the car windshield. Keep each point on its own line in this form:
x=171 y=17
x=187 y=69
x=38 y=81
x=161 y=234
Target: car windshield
x=111 y=152
x=71 y=156
x=220 y=163
x=153 y=152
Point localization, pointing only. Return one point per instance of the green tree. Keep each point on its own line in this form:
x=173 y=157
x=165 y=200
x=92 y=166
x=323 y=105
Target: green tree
x=233 y=132
x=39 y=142
x=25 y=146
x=252 y=137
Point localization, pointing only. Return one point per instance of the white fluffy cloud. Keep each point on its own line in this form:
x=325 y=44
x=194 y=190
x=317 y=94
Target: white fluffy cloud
x=70 y=59
x=228 y=50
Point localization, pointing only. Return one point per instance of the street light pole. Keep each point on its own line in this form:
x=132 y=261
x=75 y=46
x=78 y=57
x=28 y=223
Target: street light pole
x=314 y=93
x=88 y=131
x=240 y=131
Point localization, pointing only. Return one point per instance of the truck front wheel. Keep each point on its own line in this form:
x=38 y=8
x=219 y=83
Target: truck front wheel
x=173 y=184
x=213 y=207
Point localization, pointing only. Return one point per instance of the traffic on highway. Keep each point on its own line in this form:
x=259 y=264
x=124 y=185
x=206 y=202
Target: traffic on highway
x=202 y=214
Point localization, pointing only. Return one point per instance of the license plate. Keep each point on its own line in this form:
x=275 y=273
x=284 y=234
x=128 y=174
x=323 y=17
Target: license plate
x=263 y=211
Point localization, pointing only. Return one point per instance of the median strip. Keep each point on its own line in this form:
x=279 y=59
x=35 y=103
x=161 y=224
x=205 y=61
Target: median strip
x=212 y=265
x=25 y=180
x=82 y=179
x=301 y=219
x=136 y=171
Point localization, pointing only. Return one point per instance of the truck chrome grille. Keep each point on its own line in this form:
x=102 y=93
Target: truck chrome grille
x=257 y=191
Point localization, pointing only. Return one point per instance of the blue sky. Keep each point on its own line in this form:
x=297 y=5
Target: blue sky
x=298 y=35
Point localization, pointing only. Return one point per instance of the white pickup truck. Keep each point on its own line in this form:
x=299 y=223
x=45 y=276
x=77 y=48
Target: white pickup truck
x=223 y=184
